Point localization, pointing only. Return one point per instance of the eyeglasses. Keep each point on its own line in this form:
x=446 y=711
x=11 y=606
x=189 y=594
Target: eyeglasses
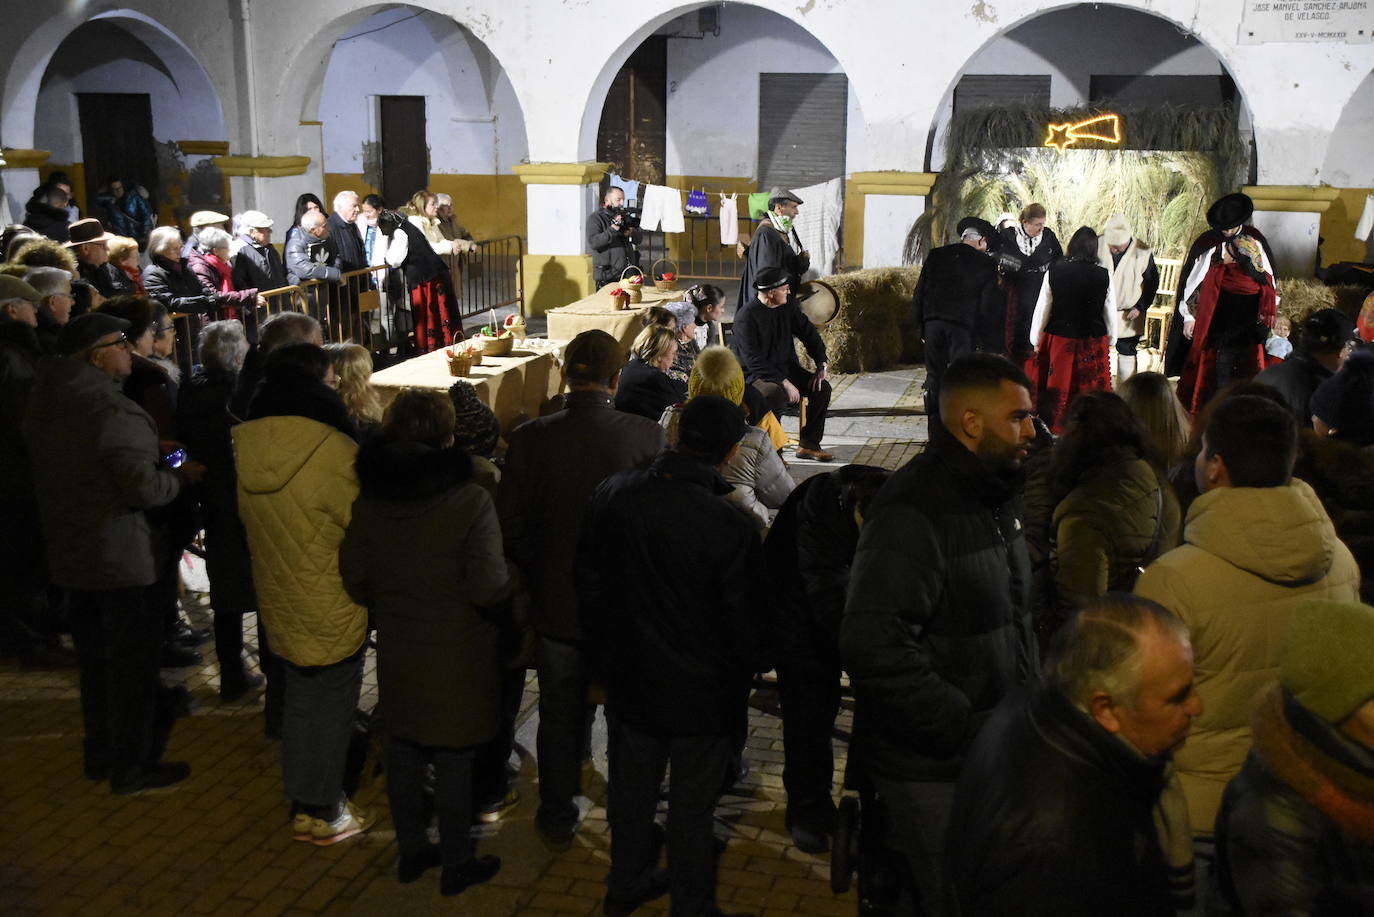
x=162 y=329
x=120 y=341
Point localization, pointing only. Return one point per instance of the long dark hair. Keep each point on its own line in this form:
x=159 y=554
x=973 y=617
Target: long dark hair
x=1083 y=246
x=1099 y=429
x=301 y=201
x=703 y=296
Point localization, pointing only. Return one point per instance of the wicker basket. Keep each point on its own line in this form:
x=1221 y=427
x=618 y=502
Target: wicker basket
x=636 y=290
x=496 y=347
x=659 y=282
x=460 y=364
x=619 y=299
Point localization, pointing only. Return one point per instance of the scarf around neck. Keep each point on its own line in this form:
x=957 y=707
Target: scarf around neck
x=1026 y=242
x=1337 y=790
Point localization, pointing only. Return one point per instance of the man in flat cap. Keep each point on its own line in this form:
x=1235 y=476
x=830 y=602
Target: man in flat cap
x=956 y=304
x=258 y=265
x=1226 y=303
x=775 y=245
x=765 y=327
x=202 y=219
x=97 y=468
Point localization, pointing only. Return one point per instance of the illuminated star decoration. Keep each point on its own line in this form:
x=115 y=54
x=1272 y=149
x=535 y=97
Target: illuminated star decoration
x=1106 y=128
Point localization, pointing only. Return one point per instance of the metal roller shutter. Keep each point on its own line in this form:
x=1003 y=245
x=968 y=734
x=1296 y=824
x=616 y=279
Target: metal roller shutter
x=802 y=124
x=980 y=90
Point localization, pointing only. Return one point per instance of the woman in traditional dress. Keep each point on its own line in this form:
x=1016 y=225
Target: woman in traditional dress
x=1038 y=247
x=1231 y=302
x=433 y=303
x=1072 y=329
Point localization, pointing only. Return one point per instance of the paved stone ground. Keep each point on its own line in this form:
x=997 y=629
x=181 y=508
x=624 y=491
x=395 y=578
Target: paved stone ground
x=219 y=843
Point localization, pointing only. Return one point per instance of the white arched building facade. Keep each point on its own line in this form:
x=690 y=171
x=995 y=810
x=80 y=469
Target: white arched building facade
x=277 y=93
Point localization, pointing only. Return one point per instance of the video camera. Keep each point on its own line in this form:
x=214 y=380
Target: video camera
x=629 y=217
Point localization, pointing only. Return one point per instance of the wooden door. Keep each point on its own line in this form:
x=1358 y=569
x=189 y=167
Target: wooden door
x=633 y=135
x=405 y=156
x=117 y=141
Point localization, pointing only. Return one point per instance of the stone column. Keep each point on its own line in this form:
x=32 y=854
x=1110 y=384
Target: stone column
x=19 y=176
x=559 y=197
x=891 y=203
x=1290 y=218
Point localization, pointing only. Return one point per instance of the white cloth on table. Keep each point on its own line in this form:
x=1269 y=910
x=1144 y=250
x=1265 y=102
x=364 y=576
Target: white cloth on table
x=662 y=210
x=1366 y=224
x=729 y=220
x=817 y=225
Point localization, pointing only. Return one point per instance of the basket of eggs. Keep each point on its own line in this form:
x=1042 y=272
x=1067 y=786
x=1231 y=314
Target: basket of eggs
x=667 y=280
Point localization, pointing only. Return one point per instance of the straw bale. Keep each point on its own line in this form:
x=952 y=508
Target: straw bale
x=1299 y=297
x=873 y=329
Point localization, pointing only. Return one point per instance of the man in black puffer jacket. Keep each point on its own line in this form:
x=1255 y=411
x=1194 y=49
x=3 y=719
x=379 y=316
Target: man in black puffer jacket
x=936 y=626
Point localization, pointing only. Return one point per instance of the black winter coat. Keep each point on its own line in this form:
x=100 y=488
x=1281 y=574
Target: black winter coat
x=809 y=550
x=958 y=284
x=1343 y=477
x=343 y=235
x=1296 y=379
x=19 y=356
x=1054 y=817
x=258 y=267
x=172 y=284
x=646 y=390
x=205 y=425
x=1277 y=851
x=423 y=553
x=48 y=220
x=937 y=626
x=769 y=248
x=543 y=496
x=677 y=647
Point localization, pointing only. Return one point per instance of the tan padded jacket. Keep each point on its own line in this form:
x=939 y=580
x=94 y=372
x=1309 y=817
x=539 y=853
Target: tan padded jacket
x=1250 y=556
x=296 y=490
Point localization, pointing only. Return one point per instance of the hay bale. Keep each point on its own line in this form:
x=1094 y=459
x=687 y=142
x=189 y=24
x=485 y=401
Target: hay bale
x=1299 y=297
x=873 y=330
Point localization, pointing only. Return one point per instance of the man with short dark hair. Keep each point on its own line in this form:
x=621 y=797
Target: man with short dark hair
x=678 y=650
x=541 y=504
x=763 y=341
x=955 y=297
x=1324 y=340
x=1062 y=807
x=612 y=238
x=937 y=626
x=46 y=212
x=1257 y=544
x=96 y=469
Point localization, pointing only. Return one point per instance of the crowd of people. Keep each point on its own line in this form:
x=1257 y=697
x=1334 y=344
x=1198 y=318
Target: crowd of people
x=1107 y=646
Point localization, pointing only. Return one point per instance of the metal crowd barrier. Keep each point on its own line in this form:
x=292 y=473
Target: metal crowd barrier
x=697 y=251
x=491 y=277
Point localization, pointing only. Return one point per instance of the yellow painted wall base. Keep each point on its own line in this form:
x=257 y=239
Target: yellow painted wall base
x=1338 y=227
x=488 y=206
x=555 y=280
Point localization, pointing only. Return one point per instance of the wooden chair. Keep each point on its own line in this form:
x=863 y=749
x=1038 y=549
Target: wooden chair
x=1157 y=317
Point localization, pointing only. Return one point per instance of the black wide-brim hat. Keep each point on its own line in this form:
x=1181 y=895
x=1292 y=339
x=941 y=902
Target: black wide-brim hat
x=985 y=229
x=1230 y=211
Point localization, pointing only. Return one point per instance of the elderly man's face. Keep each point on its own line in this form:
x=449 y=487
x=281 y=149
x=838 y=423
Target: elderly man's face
x=93 y=252
x=787 y=209
x=21 y=310
x=113 y=356
x=261 y=236
x=319 y=230
x=445 y=209
x=347 y=209
x=1158 y=720
x=59 y=305
x=776 y=296
x=1117 y=249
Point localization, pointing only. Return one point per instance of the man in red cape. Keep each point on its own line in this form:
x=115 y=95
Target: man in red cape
x=1226 y=303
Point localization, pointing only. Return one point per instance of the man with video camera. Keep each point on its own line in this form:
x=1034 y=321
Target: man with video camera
x=612 y=234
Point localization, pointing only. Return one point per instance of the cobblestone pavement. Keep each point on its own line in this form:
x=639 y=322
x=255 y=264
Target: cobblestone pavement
x=219 y=844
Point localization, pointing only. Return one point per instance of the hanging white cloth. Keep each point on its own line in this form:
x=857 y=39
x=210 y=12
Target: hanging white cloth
x=1366 y=224
x=817 y=225
x=729 y=220
x=662 y=209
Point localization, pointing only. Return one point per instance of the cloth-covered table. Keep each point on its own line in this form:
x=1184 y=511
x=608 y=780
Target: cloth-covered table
x=567 y=322
x=514 y=387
